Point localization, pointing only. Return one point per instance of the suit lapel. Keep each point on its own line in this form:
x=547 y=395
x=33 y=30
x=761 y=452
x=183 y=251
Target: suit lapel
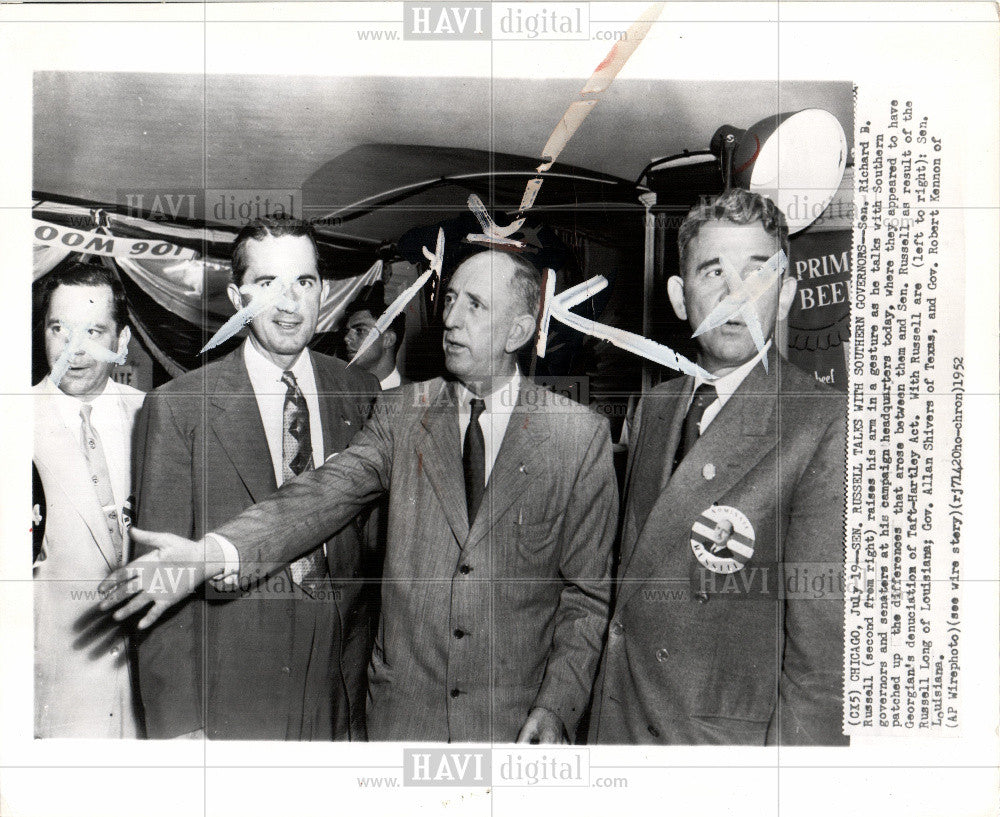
x=338 y=429
x=58 y=451
x=238 y=427
x=439 y=455
x=518 y=460
x=659 y=433
x=738 y=438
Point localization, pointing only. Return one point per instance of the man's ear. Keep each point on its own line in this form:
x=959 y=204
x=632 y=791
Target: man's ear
x=675 y=291
x=521 y=331
x=388 y=340
x=123 y=338
x=324 y=290
x=235 y=296
x=786 y=296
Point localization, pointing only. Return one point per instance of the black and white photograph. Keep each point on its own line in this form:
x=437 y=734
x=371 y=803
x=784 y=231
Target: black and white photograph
x=495 y=407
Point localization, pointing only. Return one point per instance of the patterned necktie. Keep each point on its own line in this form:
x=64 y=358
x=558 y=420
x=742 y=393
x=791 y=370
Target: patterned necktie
x=97 y=464
x=474 y=460
x=704 y=396
x=296 y=457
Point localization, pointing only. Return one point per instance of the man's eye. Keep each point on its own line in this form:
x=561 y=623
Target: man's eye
x=94 y=333
x=263 y=284
x=307 y=283
x=449 y=299
x=715 y=272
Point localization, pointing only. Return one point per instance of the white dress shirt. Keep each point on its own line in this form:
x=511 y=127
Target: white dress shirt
x=265 y=378
x=391 y=380
x=114 y=426
x=500 y=404
x=724 y=387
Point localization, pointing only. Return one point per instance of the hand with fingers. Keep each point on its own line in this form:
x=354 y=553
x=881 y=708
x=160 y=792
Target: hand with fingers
x=542 y=726
x=171 y=570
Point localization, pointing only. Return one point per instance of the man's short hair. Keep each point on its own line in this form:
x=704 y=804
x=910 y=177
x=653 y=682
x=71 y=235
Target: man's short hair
x=261 y=228
x=737 y=206
x=376 y=306
x=526 y=280
x=78 y=273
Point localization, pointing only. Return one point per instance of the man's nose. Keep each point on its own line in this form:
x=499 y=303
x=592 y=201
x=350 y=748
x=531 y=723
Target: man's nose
x=289 y=300
x=452 y=317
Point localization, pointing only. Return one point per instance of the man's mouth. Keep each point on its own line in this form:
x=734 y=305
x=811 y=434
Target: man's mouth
x=287 y=324
x=453 y=346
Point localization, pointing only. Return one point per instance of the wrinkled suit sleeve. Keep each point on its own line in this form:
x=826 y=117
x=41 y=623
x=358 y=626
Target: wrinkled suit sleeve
x=316 y=504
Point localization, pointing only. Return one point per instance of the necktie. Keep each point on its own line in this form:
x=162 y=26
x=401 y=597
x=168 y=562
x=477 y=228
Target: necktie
x=97 y=464
x=704 y=396
x=296 y=457
x=474 y=459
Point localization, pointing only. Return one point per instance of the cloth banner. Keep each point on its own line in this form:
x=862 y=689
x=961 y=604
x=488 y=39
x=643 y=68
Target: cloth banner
x=94 y=243
x=195 y=290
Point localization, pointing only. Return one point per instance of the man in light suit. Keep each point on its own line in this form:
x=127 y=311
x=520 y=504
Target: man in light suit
x=734 y=486
x=82 y=444
x=284 y=659
x=502 y=511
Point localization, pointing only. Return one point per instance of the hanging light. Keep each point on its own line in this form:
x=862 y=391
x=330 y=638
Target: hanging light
x=795 y=159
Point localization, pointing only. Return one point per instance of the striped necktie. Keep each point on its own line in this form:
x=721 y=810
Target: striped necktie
x=97 y=465
x=296 y=457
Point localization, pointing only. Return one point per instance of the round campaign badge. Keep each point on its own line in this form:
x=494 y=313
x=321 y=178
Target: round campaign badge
x=722 y=539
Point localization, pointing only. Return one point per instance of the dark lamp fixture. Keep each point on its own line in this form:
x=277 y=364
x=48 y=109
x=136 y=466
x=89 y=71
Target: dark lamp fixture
x=795 y=159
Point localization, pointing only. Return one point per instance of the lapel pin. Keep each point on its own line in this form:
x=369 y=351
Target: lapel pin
x=522 y=469
x=708 y=472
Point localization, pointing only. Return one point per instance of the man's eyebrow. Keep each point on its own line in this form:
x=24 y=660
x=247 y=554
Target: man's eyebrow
x=710 y=262
x=761 y=258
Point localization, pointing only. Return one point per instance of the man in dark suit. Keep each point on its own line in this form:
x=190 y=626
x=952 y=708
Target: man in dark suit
x=282 y=659
x=379 y=358
x=502 y=512
x=735 y=486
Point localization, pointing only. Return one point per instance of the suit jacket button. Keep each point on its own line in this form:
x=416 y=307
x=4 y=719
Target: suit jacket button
x=662 y=655
x=708 y=472
x=465 y=570
x=702 y=597
x=455 y=693
x=459 y=633
x=617 y=628
x=653 y=731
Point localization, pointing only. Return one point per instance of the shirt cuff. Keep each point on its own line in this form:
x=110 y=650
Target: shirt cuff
x=230 y=565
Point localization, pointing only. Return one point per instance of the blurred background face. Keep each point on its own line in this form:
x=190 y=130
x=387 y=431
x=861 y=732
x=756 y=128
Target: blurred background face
x=478 y=318
x=744 y=248
x=282 y=331
x=91 y=309
x=358 y=326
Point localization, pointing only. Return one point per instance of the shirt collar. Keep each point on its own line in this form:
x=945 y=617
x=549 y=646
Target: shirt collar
x=729 y=383
x=263 y=370
x=393 y=379
x=69 y=406
x=501 y=400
